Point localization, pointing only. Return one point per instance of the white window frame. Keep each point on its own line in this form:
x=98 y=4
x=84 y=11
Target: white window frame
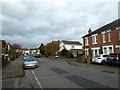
x=86 y=52
x=104 y=38
x=108 y=49
x=96 y=48
x=111 y=49
x=86 y=41
x=105 y=52
x=95 y=39
x=109 y=37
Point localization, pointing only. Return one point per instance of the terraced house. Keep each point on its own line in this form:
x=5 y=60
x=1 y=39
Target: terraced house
x=5 y=47
x=104 y=40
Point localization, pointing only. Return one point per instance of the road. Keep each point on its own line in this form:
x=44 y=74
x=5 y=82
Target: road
x=57 y=73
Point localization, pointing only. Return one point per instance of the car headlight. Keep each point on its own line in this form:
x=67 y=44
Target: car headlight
x=36 y=63
x=25 y=64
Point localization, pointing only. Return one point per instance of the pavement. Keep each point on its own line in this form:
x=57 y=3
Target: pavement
x=13 y=69
x=11 y=73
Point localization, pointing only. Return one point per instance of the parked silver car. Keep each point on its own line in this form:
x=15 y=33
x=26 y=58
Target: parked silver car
x=26 y=57
x=30 y=63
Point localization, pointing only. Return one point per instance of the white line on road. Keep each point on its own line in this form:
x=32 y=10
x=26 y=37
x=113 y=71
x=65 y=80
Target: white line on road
x=37 y=80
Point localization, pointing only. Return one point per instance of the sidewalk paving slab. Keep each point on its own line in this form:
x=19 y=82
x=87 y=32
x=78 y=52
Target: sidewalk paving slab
x=13 y=69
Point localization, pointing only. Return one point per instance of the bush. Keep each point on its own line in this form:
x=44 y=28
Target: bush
x=66 y=53
x=69 y=55
x=82 y=59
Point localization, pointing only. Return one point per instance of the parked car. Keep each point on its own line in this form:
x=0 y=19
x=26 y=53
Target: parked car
x=56 y=56
x=30 y=63
x=101 y=59
x=113 y=59
x=26 y=57
x=37 y=55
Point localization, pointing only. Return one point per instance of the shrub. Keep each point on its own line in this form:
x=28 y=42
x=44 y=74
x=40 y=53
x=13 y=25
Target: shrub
x=66 y=53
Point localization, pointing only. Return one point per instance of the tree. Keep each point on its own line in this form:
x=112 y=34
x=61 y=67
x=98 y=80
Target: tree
x=42 y=49
x=52 y=48
x=90 y=56
x=15 y=47
x=67 y=53
x=64 y=52
x=41 y=46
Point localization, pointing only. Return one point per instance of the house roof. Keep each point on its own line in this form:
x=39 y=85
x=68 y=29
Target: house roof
x=54 y=41
x=111 y=25
x=77 y=49
x=57 y=42
x=8 y=44
x=71 y=42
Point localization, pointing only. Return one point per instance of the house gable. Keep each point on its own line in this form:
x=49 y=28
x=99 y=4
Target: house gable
x=70 y=45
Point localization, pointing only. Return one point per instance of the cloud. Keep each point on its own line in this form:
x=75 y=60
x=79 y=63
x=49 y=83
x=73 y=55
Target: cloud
x=33 y=23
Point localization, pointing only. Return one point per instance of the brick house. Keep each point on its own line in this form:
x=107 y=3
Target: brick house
x=5 y=47
x=8 y=47
x=2 y=46
x=104 y=40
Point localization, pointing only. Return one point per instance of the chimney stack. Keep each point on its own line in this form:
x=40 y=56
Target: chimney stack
x=58 y=41
x=89 y=31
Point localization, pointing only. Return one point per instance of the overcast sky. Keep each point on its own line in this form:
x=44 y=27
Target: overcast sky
x=32 y=23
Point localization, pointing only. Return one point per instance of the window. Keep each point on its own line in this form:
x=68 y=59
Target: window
x=95 y=52
x=110 y=49
x=104 y=39
x=86 y=41
x=119 y=49
x=105 y=50
x=119 y=34
x=73 y=46
x=95 y=39
x=109 y=38
x=86 y=52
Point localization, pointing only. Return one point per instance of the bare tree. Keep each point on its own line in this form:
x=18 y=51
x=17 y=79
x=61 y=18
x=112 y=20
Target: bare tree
x=16 y=46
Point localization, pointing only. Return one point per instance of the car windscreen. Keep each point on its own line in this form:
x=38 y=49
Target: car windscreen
x=97 y=56
x=105 y=55
x=113 y=55
x=29 y=60
x=26 y=56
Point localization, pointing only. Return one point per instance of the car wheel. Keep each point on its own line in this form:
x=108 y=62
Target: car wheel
x=110 y=64
x=37 y=67
x=103 y=62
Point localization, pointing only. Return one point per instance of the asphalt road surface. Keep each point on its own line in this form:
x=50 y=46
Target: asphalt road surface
x=57 y=73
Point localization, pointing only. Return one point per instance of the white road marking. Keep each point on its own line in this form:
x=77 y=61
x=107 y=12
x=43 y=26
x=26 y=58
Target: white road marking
x=37 y=80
